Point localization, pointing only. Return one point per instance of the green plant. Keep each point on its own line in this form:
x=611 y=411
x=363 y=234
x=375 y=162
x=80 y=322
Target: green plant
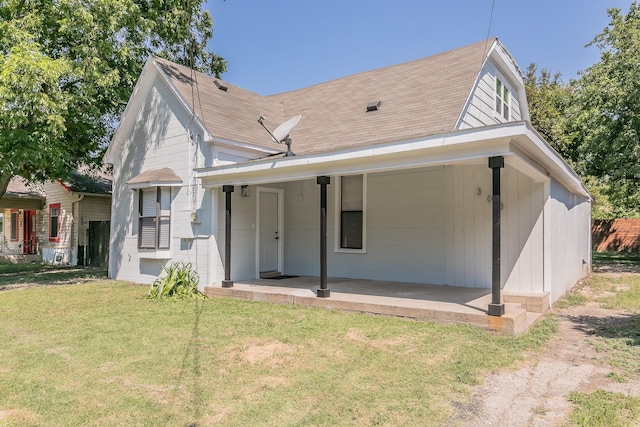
x=177 y=280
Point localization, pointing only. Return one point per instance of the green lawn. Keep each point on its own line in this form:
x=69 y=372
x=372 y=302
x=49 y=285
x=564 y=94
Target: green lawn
x=99 y=353
x=618 y=337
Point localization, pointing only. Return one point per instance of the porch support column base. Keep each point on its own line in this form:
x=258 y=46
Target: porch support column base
x=227 y=283
x=323 y=293
x=496 y=310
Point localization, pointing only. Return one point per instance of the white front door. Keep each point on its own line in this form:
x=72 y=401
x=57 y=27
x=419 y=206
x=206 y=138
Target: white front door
x=269 y=232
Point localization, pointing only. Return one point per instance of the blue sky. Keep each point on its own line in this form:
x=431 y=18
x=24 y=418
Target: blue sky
x=274 y=46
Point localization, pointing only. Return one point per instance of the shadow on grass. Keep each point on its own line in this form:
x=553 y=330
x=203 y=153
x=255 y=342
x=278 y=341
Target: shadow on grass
x=18 y=276
x=192 y=367
x=626 y=327
x=615 y=262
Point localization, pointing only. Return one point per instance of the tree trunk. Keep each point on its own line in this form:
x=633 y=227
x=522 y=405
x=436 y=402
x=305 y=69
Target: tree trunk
x=4 y=183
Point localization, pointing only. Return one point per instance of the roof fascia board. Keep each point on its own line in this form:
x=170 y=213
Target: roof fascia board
x=300 y=172
x=549 y=158
x=437 y=149
x=526 y=165
x=509 y=139
x=139 y=185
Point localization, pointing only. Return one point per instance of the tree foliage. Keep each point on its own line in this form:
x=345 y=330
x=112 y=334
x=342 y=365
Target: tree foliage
x=603 y=119
x=548 y=98
x=67 y=69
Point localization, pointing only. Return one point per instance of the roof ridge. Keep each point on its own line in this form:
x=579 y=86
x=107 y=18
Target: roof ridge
x=486 y=43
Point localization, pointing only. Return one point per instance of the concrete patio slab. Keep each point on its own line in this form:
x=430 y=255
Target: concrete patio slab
x=445 y=304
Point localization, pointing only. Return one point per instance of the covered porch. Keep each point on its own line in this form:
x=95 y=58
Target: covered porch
x=444 y=304
x=465 y=214
x=20 y=209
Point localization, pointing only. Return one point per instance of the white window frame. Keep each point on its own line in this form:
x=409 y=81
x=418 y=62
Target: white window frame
x=499 y=103
x=338 y=217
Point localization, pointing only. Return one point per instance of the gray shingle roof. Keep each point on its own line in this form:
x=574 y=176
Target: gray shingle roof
x=18 y=187
x=89 y=183
x=419 y=98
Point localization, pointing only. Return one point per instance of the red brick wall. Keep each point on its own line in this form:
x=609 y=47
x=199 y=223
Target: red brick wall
x=616 y=235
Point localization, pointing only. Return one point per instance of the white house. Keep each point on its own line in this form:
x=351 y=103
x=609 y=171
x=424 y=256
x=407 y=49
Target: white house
x=425 y=166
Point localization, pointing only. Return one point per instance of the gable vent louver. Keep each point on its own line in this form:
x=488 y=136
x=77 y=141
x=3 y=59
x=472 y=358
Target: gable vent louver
x=374 y=106
x=220 y=86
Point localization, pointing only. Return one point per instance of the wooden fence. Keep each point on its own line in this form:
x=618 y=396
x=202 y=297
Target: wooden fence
x=616 y=235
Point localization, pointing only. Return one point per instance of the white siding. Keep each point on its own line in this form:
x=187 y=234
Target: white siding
x=469 y=226
x=480 y=110
x=405 y=228
x=159 y=139
x=522 y=235
x=63 y=250
x=570 y=233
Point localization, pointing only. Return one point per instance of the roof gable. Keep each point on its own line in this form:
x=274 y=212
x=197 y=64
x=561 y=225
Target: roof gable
x=418 y=98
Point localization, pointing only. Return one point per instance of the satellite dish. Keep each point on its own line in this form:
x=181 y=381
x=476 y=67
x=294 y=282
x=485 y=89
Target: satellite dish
x=281 y=134
x=282 y=131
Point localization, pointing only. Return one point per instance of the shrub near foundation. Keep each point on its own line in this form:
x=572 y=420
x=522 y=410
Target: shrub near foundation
x=177 y=280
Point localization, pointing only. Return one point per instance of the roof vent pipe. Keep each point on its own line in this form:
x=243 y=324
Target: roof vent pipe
x=374 y=106
x=220 y=86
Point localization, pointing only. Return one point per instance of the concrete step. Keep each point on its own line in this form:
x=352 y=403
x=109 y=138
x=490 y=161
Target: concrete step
x=534 y=302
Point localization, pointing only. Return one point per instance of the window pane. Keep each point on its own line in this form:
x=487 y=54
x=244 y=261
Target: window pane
x=148 y=233
x=54 y=227
x=506 y=95
x=163 y=233
x=14 y=225
x=165 y=201
x=351 y=230
x=498 y=87
x=149 y=200
x=506 y=112
x=351 y=192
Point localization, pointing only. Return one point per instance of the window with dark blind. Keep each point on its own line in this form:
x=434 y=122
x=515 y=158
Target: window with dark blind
x=14 y=226
x=351 y=211
x=154 y=218
x=54 y=222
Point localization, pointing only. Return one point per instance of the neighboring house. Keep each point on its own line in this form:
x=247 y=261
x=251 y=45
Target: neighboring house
x=77 y=220
x=62 y=222
x=18 y=215
x=410 y=156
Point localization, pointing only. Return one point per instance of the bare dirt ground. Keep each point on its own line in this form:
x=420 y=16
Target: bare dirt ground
x=536 y=392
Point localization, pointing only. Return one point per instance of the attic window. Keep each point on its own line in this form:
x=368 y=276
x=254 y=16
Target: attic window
x=503 y=100
x=220 y=86
x=374 y=106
